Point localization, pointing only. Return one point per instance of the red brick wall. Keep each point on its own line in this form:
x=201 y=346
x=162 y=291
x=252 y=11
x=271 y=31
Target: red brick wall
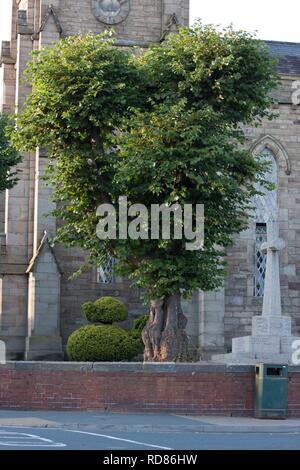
x=294 y=394
x=191 y=389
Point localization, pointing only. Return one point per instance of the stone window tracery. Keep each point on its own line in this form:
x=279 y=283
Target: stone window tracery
x=266 y=209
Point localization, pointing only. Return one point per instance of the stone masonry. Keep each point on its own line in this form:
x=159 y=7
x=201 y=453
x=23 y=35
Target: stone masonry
x=189 y=389
x=39 y=305
x=271 y=339
x=281 y=137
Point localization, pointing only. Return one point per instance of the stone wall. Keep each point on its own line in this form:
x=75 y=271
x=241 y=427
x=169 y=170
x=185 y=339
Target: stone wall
x=145 y=23
x=74 y=292
x=212 y=316
x=131 y=387
x=34 y=25
x=241 y=304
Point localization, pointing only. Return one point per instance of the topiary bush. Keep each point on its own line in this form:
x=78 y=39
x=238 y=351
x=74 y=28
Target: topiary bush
x=89 y=310
x=101 y=343
x=105 y=310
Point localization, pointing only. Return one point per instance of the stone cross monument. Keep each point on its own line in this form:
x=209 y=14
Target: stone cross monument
x=271 y=339
x=272 y=295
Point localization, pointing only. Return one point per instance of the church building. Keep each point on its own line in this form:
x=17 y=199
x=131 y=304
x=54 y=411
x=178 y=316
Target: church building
x=40 y=306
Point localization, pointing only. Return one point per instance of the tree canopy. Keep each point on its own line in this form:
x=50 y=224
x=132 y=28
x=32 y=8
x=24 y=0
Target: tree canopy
x=8 y=155
x=159 y=126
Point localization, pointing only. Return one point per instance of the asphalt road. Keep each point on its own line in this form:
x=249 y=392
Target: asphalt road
x=34 y=438
x=94 y=430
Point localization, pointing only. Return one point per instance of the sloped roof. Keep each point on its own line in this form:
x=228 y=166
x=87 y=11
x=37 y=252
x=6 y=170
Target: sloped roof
x=35 y=258
x=288 y=54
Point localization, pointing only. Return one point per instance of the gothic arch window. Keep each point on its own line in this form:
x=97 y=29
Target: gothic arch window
x=268 y=142
x=266 y=204
x=266 y=209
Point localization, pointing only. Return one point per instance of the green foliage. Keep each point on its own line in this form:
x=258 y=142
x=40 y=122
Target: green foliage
x=82 y=89
x=105 y=310
x=229 y=72
x=136 y=332
x=101 y=343
x=160 y=127
x=8 y=155
x=140 y=323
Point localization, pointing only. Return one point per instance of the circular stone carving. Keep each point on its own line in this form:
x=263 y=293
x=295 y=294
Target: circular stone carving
x=111 y=11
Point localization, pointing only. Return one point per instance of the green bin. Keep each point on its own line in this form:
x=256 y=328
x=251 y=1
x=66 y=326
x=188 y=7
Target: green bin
x=271 y=389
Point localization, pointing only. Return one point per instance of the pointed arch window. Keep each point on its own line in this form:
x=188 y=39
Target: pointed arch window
x=266 y=209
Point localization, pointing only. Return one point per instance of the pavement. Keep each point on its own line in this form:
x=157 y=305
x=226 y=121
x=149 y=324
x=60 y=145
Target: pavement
x=138 y=422
x=38 y=430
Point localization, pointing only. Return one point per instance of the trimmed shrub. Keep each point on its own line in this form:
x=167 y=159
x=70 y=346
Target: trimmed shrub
x=101 y=343
x=105 y=310
x=89 y=310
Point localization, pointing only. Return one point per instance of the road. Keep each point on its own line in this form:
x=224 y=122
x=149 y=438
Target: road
x=62 y=439
x=112 y=431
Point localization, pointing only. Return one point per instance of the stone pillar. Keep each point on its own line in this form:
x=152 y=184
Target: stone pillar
x=174 y=13
x=43 y=340
x=191 y=311
x=18 y=218
x=13 y=309
x=8 y=80
x=178 y=7
x=46 y=34
x=211 y=327
x=7 y=98
x=7 y=101
x=205 y=313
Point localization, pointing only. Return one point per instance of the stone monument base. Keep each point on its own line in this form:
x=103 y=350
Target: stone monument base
x=245 y=359
x=271 y=341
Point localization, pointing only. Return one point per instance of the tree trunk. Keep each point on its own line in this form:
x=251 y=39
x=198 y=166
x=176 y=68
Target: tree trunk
x=164 y=335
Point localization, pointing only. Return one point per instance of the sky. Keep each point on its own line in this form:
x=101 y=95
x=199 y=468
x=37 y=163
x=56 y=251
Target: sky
x=269 y=18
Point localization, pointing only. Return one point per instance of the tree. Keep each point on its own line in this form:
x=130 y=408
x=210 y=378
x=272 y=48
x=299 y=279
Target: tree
x=8 y=155
x=160 y=127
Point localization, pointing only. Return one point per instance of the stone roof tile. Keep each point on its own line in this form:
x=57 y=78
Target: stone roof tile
x=288 y=54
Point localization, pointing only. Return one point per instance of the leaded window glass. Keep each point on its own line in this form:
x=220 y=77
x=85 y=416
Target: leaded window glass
x=260 y=260
x=105 y=273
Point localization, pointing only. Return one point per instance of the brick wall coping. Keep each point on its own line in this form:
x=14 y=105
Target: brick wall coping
x=136 y=367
